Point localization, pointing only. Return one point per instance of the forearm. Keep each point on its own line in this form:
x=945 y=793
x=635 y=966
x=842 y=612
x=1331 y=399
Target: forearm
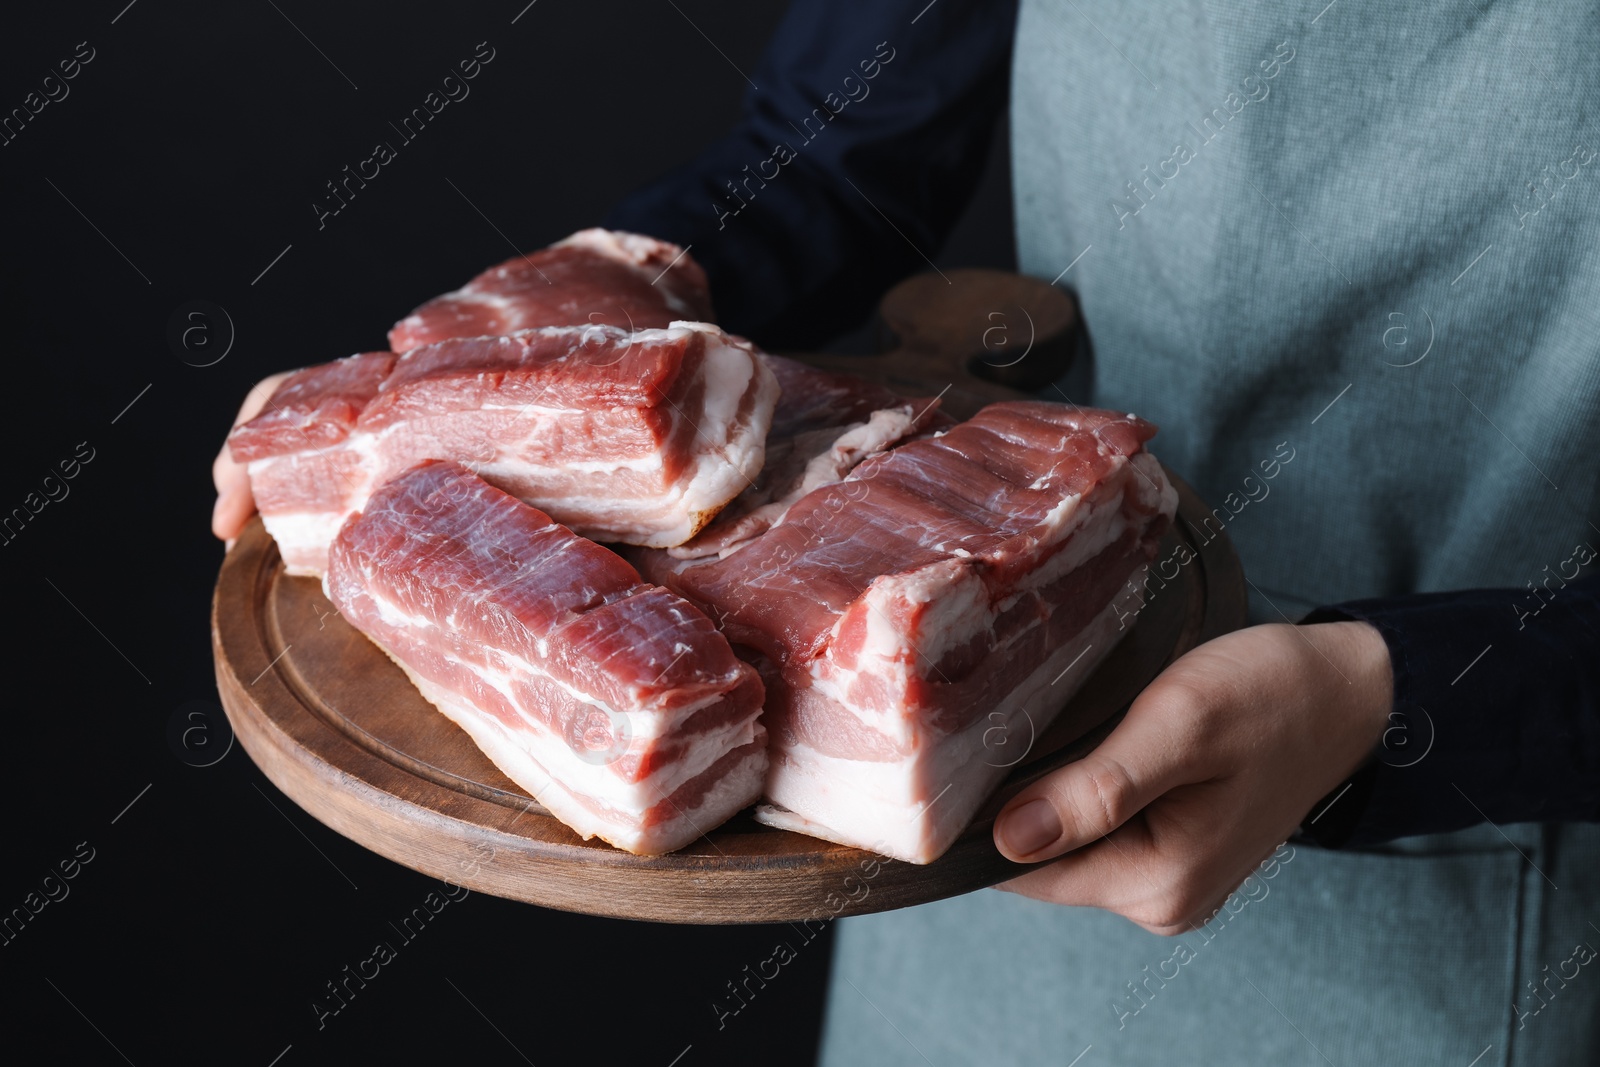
x=851 y=162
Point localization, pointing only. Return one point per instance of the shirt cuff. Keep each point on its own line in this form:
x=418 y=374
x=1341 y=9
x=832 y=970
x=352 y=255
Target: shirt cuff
x=1494 y=718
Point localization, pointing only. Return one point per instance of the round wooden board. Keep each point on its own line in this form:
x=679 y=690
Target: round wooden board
x=337 y=726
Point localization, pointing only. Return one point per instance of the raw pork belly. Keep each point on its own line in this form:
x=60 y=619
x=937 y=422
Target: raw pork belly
x=944 y=590
x=615 y=703
x=637 y=437
x=599 y=277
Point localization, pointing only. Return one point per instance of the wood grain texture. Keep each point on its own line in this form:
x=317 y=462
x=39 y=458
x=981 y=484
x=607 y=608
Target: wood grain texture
x=972 y=336
x=337 y=726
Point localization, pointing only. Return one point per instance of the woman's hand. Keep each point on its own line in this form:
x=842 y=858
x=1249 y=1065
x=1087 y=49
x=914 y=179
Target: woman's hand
x=234 y=503
x=1215 y=764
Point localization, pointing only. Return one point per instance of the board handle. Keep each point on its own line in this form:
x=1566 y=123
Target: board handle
x=989 y=334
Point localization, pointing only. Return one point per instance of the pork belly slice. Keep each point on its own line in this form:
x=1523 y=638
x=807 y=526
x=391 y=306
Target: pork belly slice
x=946 y=596
x=639 y=437
x=615 y=703
x=598 y=277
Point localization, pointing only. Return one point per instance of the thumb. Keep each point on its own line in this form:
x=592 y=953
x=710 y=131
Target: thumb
x=1086 y=800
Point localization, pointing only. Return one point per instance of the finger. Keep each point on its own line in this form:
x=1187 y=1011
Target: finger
x=235 y=503
x=1131 y=874
x=1142 y=758
x=1116 y=873
x=1155 y=880
x=232 y=510
x=1103 y=880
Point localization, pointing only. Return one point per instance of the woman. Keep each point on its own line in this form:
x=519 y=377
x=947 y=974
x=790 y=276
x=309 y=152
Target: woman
x=1344 y=257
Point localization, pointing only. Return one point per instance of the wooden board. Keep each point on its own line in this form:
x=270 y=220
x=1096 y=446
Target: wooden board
x=337 y=726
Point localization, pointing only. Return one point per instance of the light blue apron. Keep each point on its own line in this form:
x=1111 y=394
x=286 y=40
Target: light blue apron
x=1367 y=232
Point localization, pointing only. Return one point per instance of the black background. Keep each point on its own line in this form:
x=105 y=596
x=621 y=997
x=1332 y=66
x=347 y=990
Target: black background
x=183 y=161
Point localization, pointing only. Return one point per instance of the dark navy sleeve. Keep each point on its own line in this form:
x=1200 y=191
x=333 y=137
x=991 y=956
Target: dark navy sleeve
x=856 y=152
x=1496 y=716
